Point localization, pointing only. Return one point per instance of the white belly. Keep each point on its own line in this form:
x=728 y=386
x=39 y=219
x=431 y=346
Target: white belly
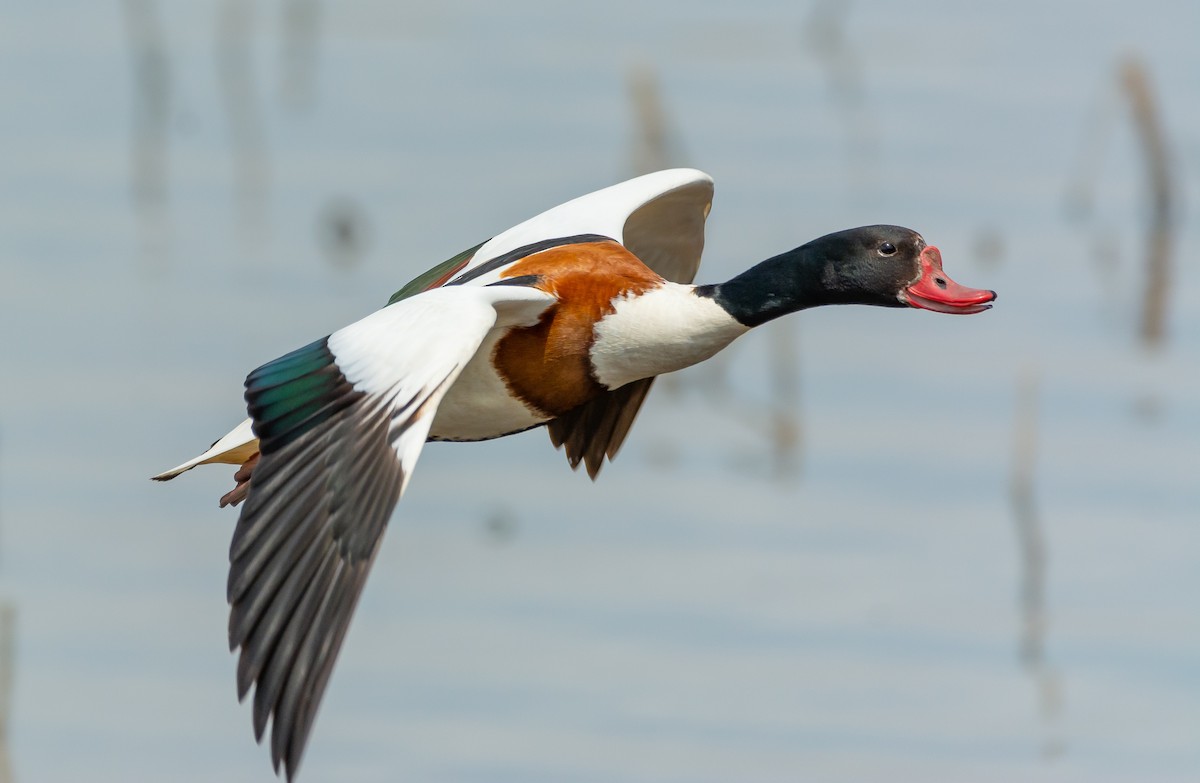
x=479 y=405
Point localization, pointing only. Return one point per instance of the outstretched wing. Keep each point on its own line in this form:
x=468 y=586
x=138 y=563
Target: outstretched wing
x=659 y=217
x=340 y=423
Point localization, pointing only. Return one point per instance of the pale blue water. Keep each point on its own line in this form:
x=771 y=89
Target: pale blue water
x=689 y=617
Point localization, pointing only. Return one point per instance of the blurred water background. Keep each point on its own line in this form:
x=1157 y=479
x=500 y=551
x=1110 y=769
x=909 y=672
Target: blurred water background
x=862 y=545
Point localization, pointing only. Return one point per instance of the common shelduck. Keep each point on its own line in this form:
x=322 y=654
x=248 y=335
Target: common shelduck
x=562 y=321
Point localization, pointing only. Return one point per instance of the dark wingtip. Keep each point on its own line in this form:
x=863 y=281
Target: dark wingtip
x=260 y=712
x=594 y=465
x=245 y=677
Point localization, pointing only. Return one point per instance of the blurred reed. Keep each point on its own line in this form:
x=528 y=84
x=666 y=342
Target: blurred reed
x=1135 y=83
x=657 y=144
x=235 y=71
x=823 y=36
x=1133 y=88
x=300 y=33
x=151 y=124
x=1031 y=542
x=341 y=227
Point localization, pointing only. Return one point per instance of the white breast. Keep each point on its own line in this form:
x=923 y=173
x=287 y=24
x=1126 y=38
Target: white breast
x=661 y=331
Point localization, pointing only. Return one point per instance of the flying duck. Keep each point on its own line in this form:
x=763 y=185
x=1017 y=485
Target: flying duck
x=563 y=321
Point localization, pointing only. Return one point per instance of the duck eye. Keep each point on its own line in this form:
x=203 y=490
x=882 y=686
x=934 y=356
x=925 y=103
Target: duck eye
x=887 y=249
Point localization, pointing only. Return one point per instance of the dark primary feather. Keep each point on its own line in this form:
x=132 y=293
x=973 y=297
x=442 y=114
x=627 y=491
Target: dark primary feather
x=319 y=501
x=598 y=428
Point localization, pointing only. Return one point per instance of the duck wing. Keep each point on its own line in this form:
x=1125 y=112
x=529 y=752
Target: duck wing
x=659 y=217
x=340 y=423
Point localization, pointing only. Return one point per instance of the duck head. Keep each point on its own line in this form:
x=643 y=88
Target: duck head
x=885 y=266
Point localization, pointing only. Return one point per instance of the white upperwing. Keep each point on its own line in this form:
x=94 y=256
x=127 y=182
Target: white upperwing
x=659 y=217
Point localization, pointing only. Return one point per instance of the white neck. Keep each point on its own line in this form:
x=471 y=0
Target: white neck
x=661 y=331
